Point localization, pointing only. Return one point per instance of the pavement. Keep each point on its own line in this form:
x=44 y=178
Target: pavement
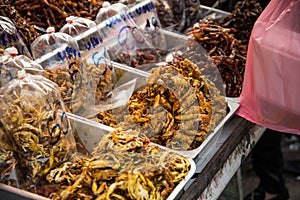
x=291 y=173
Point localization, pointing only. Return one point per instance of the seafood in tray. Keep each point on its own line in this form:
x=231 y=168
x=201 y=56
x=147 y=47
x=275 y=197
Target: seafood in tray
x=174 y=106
x=123 y=165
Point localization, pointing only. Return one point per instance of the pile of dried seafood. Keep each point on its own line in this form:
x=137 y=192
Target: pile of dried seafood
x=242 y=18
x=123 y=166
x=227 y=52
x=178 y=107
x=26 y=30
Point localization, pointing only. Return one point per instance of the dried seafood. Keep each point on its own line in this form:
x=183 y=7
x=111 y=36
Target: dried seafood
x=107 y=118
x=45 y=13
x=101 y=78
x=42 y=138
x=227 y=52
x=118 y=172
x=178 y=108
x=7 y=161
x=27 y=31
x=71 y=81
x=137 y=57
x=242 y=18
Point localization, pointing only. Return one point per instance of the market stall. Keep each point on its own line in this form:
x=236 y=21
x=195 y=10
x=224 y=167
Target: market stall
x=126 y=101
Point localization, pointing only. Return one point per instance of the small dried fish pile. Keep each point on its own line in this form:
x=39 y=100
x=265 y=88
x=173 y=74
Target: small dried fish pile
x=178 y=108
x=242 y=18
x=123 y=166
x=29 y=113
x=227 y=52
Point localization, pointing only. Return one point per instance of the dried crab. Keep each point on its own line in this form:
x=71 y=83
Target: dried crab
x=40 y=135
x=115 y=172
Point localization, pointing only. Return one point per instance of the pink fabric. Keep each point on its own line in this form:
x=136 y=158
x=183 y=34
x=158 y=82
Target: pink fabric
x=271 y=90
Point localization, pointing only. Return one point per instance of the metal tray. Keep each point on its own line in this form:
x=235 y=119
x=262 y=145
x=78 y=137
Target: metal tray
x=90 y=133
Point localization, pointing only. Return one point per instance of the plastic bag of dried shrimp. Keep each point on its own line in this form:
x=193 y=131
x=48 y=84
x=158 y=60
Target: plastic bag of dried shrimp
x=59 y=55
x=109 y=10
x=125 y=42
x=8 y=163
x=11 y=63
x=125 y=166
x=35 y=122
x=271 y=92
x=94 y=55
x=9 y=37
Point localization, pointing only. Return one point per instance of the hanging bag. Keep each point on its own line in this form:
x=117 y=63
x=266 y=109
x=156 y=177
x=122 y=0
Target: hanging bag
x=271 y=92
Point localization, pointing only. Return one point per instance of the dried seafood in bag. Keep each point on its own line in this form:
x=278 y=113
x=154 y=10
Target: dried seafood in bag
x=60 y=57
x=34 y=121
x=11 y=63
x=123 y=166
x=8 y=162
x=94 y=56
x=109 y=10
x=9 y=37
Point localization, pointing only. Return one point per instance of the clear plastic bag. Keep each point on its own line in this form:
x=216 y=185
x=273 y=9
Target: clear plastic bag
x=145 y=17
x=94 y=56
x=61 y=59
x=125 y=42
x=9 y=37
x=11 y=63
x=271 y=92
x=35 y=122
x=109 y=10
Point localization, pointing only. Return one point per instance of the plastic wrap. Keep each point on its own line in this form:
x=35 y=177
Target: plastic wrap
x=34 y=120
x=11 y=63
x=9 y=37
x=60 y=56
x=177 y=15
x=270 y=94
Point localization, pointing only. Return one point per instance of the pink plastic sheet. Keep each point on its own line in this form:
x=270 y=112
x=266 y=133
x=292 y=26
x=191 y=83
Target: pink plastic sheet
x=271 y=90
